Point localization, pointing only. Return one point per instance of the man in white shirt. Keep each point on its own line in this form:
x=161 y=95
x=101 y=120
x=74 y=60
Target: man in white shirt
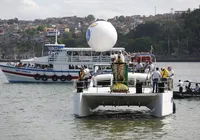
x=87 y=75
x=180 y=85
x=156 y=77
x=139 y=67
x=170 y=78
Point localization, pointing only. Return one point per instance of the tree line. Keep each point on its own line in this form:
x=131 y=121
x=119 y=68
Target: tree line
x=171 y=37
x=180 y=37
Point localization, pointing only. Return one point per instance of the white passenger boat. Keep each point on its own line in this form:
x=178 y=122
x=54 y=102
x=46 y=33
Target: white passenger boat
x=122 y=88
x=61 y=65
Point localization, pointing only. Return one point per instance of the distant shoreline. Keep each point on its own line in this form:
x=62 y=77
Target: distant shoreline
x=158 y=60
x=178 y=60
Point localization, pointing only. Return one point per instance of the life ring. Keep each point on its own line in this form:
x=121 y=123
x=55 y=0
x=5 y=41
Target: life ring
x=44 y=77
x=69 y=77
x=54 y=77
x=37 y=77
x=63 y=78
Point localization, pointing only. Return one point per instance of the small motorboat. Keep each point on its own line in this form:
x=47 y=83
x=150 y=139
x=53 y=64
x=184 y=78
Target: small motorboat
x=190 y=90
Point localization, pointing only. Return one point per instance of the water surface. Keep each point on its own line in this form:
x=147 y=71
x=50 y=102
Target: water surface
x=45 y=112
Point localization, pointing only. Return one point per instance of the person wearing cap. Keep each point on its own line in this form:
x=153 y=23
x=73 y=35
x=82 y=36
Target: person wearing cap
x=170 y=78
x=164 y=74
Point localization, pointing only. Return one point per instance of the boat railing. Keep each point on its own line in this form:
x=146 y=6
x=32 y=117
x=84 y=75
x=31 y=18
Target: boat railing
x=140 y=86
x=79 y=58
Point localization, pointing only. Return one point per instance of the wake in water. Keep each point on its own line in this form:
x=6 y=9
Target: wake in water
x=121 y=114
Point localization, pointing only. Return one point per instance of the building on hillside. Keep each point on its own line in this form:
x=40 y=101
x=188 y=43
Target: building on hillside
x=1 y=32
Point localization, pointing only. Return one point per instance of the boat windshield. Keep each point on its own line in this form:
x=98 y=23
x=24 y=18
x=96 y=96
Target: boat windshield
x=102 y=69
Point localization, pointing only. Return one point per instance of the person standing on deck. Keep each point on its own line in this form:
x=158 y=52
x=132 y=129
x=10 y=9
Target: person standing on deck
x=170 y=78
x=86 y=76
x=156 y=77
x=164 y=74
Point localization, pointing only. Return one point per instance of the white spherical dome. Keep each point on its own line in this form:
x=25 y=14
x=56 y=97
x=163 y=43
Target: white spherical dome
x=101 y=36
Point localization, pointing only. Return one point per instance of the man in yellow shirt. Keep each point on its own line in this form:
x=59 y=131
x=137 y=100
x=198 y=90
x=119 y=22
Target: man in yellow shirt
x=164 y=74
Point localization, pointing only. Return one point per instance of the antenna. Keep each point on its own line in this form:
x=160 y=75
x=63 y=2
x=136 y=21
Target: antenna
x=172 y=13
x=172 y=10
x=155 y=10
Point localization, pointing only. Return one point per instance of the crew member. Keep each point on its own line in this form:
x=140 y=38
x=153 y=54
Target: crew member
x=86 y=74
x=170 y=78
x=156 y=77
x=164 y=74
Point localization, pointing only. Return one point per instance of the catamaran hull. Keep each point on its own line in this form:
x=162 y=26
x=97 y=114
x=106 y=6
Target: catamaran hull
x=160 y=104
x=28 y=75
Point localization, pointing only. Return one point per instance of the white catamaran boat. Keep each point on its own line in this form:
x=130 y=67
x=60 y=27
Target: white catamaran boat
x=132 y=90
x=120 y=87
x=61 y=65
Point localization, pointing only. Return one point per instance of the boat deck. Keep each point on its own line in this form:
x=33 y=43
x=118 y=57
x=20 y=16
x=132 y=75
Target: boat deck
x=103 y=90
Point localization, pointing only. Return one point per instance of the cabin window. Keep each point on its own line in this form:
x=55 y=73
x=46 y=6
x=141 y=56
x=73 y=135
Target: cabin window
x=69 y=53
x=71 y=66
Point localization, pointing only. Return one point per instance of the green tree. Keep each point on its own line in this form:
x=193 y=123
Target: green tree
x=40 y=28
x=31 y=32
x=121 y=18
x=90 y=17
x=142 y=44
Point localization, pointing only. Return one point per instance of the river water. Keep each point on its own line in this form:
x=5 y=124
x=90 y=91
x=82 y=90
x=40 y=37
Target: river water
x=45 y=112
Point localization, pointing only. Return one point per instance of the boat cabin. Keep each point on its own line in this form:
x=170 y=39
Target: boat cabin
x=74 y=58
x=144 y=58
x=191 y=86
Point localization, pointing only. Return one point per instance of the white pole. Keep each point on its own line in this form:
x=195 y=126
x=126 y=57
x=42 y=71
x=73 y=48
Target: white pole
x=56 y=41
x=42 y=49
